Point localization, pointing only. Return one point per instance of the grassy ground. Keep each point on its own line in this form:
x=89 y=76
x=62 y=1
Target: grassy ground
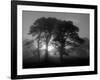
x=32 y=62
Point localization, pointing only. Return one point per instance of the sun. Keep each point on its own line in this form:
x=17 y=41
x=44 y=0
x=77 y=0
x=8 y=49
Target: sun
x=50 y=47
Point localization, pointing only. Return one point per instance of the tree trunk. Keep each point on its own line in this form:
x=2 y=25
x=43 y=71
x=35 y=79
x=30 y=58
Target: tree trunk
x=39 y=49
x=61 y=50
x=46 y=54
x=47 y=42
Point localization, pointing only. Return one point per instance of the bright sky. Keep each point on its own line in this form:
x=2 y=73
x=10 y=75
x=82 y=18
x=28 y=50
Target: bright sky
x=79 y=19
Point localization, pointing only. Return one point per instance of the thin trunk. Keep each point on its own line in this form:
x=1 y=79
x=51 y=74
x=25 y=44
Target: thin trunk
x=61 y=55
x=39 y=49
x=61 y=50
x=46 y=54
x=33 y=40
x=47 y=42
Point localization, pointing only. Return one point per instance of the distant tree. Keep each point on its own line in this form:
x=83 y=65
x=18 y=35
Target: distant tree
x=81 y=50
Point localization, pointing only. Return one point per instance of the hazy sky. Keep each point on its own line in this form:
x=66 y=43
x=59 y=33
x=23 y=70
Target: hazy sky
x=79 y=19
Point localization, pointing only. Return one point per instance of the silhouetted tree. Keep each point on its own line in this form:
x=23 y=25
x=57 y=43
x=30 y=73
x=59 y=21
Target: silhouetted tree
x=50 y=24
x=36 y=29
x=43 y=29
x=65 y=30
